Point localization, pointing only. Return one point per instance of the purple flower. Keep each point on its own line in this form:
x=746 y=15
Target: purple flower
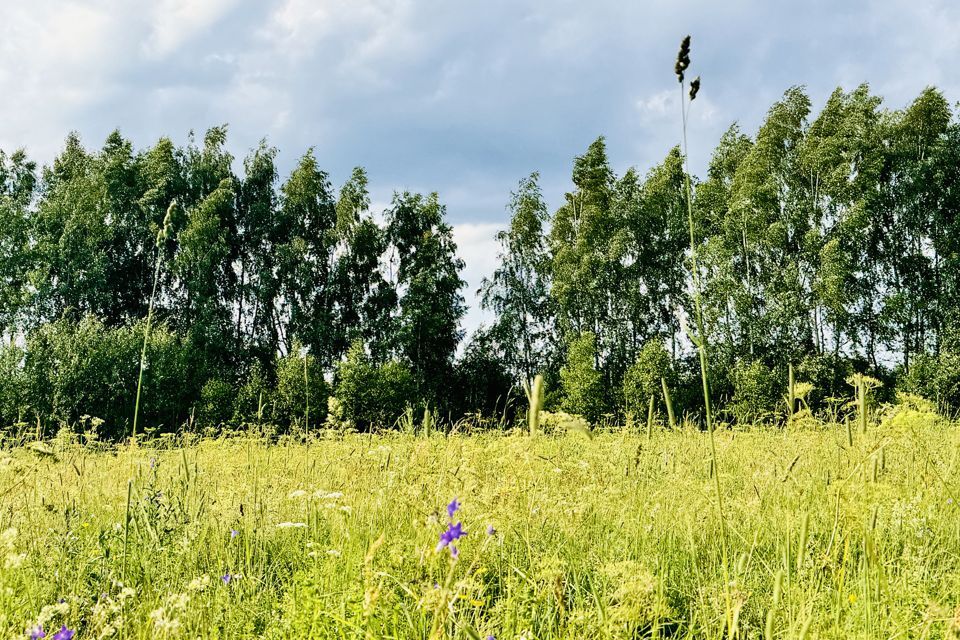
x=234 y=533
x=37 y=632
x=447 y=538
x=452 y=508
x=490 y=637
x=491 y=531
x=63 y=634
x=226 y=578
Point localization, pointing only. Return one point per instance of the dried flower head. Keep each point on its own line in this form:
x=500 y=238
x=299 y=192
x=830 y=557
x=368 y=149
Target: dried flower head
x=694 y=88
x=683 y=58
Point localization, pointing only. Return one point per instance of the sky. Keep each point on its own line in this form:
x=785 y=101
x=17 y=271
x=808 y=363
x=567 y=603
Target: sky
x=462 y=98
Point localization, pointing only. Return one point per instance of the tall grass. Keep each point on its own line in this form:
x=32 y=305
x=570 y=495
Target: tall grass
x=162 y=235
x=610 y=537
x=700 y=339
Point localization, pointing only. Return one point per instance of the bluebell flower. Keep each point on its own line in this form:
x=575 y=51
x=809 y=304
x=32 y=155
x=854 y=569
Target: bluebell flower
x=64 y=634
x=453 y=533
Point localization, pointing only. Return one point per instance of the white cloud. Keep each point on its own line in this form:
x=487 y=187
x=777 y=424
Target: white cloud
x=477 y=245
x=175 y=22
x=665 y=105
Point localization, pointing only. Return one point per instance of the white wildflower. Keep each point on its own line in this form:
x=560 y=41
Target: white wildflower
x=199 y=584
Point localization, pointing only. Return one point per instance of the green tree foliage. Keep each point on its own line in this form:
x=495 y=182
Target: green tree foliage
x=18 y=183
x=306 y=260
x=829 y=241
x=519 y=290
x=373 y=394
x=364 y=299
x=643 y=378
x=583 y=386
x=428 y=279
x=301 y=392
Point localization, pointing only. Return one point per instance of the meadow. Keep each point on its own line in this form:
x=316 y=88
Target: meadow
x=571 y=534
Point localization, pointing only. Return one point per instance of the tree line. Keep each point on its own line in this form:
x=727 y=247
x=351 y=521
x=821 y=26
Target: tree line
x=827 y=241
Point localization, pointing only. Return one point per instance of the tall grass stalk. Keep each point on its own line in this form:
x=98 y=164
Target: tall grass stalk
x=161 y=236
x=700 y=340
x=535 y=398
x=791 y=393
x=667 y=400
x=650 y=418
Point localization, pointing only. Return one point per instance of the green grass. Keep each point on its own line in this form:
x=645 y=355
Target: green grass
x=611 y=537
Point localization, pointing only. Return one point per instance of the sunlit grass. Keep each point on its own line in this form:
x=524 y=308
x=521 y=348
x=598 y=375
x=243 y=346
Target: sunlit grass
x=614 y=536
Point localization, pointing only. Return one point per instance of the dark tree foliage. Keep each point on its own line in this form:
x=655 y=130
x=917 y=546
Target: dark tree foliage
x=828 y=240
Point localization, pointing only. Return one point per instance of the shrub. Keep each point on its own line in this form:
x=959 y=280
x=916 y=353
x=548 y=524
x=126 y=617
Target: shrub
x=828 y=374
x=936 y=378
x=12 y=385
x=756 y=392
x=642 y=379
x=76 y=368
x=216 y=401
x=583 y=389
x=482 y=382
x=254 y=395
x=372 y=394
x=301 y=391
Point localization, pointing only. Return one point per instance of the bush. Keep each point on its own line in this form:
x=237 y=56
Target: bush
x=482 y=382
x=77 y=368
x=13 y=400
x=936 y=378
x=300 y=398
x=583 y=389
x=71 y=369
x=642 y=379
x=757 y=392
x=216 y=400
x=254 y=396
x=828 y=374
x=372 y=394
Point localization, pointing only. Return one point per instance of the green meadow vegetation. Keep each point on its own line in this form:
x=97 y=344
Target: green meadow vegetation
x=715 y=408
x=333 y=535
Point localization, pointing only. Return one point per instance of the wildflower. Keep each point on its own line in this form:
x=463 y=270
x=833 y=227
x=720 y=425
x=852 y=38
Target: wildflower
x=63 y=634
x=226 y=578
x=490 y=530
x=36 y=633
x=453 y=533
x=852 y=598
x=490 y=637
x=291 y=525
x=234 y=533
x=297 y=493
x=15 y=560
x=452 y=508
x=199 y=584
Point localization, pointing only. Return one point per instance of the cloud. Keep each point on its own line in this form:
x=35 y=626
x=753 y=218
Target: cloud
x=461 y=98
x=478 y=247
x=175 y=22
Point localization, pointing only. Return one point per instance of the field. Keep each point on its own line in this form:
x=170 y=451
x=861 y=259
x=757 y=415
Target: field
x=568 y=536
